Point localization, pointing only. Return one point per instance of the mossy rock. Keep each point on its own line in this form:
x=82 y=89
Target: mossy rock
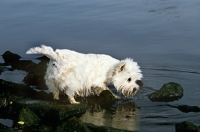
x=169 y=92
x=186 y=127
x=73 y=125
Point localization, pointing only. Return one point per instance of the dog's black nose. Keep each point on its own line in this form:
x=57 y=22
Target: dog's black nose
x=139 y=82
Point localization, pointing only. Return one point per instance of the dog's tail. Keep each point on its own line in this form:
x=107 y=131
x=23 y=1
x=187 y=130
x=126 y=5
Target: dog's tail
x=46 y=50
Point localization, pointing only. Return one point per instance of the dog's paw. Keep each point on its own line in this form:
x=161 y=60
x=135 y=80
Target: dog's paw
x=75 y=102
x=117 y=97
x=72 y=100
x=56 y=98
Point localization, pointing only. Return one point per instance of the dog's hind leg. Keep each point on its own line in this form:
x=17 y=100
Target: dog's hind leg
x=97 y=90
x=72 y=100
x=52 y=87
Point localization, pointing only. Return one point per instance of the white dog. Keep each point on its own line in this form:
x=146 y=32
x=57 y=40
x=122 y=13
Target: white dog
x=82 y=74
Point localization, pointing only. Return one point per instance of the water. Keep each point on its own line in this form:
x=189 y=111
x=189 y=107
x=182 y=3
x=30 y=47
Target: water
x=163 y=36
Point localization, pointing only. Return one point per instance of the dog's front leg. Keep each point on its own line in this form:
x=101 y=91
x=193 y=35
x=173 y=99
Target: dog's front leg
x=56 y=95
x=98 y=90
x=72 y=100
x=117 y=97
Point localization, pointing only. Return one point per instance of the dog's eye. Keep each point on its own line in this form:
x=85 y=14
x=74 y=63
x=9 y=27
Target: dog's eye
x=129 y=79
x=53 y=64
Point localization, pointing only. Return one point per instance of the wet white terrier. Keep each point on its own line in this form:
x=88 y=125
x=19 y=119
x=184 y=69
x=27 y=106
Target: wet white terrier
x=83 y=74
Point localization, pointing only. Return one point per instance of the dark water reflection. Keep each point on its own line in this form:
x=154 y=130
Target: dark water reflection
x=163 y=36
x=124 y=116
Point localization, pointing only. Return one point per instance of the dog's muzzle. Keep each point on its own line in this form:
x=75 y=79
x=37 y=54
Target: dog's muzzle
x=139 y=82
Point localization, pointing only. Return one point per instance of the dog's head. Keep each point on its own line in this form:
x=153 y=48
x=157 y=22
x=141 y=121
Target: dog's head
x=127 y=77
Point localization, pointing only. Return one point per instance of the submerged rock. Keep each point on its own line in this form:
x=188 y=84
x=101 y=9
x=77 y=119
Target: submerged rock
x=169 y=92
x=186 y=108
x=186 y=127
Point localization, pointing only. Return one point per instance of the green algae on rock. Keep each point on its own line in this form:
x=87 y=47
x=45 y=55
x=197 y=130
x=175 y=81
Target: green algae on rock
x=169 y=92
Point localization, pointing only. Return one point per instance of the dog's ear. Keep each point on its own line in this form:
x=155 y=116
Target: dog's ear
x=122 y=67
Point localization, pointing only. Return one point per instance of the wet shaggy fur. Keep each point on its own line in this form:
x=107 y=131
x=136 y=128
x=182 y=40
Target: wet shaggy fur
x=78 y=74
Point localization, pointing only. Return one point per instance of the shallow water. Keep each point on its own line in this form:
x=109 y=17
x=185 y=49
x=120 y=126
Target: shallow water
x=163 y=36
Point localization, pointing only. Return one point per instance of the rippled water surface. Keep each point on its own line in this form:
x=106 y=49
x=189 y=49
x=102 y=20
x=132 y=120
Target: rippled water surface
x=163 y=36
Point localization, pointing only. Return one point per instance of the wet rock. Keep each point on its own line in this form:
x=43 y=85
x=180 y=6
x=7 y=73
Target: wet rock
x=4 y=128
x=169 y=92
x=105 y=100
x=10 y=57
x=36 y=75
x=42 y=115
x=14 y=92
x=186 y=108
x=38 y=112
x=52 y=113
x=25 y=65
x=37 y=128
x=1 y=69
x=28 y=117
x=186 y=127
x=73 y=125
x=94 y=128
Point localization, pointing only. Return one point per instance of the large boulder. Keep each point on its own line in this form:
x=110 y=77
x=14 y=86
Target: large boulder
x=169 y=92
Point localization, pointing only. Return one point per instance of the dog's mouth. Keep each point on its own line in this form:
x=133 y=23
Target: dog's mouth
x=133 y=91
x=129 y=92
